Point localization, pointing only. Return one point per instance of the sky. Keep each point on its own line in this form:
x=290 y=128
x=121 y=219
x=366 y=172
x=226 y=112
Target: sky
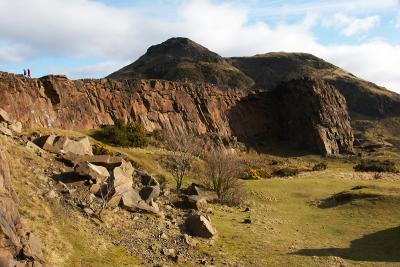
x=93 y=38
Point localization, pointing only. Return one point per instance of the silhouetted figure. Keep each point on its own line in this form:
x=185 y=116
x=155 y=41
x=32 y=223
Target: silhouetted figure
x=29 y=73
x=24 y=72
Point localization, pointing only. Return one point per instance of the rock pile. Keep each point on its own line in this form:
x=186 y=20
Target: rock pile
x=7 y=125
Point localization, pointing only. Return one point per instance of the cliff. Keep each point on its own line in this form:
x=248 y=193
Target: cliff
x=203 y=109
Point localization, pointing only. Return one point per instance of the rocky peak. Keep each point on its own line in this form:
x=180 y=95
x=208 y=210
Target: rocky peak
x=180 y=47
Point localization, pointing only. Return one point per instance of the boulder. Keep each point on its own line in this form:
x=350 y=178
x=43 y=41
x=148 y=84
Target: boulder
x=33 y=248
x=148 y=180
x=4 y=116
x=65 y=145
x=198 y=190
x=195 y=202
x=132 y=201
x=121 y=182
x=94 y=172
x=150 y=193
x=34 y=147
x=110 y=162
x=16 y=127
x=4 y=129
x=198 y=225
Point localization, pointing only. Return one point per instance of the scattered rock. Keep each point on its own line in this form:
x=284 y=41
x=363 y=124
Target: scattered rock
x=65 y=145
x=148 y=180
x=169 y=252
x=150 y=193
x=189 y=240
x=35 y=148
x=198 y=225
x=88 y=211
x=4 y=116
x=195 y=202
x=15 y=127
x=247 y=221
x=4 y=130
x=52 y=194
x=198 y=190
x=121 y=183
x=94 y=172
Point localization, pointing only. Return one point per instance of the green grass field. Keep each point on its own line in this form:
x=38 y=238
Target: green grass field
x=289 y=227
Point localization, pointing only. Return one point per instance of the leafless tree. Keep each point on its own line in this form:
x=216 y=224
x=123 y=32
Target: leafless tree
x=184 y=148
x=222 y=171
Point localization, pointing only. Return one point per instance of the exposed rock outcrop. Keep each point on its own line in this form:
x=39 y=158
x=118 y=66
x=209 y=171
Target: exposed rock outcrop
x=18 y=247
x=202 y=109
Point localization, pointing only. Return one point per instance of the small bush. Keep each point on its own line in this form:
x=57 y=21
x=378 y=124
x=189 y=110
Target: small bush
x=123 y=134
x=101 y=149
x=376 y=166
x=285 y=172
x=258 y=174
x=320 y=166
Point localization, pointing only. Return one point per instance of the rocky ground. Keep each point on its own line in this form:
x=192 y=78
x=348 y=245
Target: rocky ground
x=124 y=205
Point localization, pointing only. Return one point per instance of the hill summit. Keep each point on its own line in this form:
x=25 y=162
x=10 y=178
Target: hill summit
x=182 y=59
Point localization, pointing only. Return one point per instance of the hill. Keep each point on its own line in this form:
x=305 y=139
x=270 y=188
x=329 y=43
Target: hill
x=183 y=59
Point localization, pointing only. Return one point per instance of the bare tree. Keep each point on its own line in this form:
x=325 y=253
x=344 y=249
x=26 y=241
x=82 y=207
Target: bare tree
x=184 y=148
x=222 y=172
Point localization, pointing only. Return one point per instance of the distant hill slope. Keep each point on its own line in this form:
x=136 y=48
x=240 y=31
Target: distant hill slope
x=183 y=59
x=363 y=97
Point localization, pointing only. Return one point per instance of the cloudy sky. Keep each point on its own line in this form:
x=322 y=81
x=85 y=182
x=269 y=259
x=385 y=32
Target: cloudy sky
x=92 y=38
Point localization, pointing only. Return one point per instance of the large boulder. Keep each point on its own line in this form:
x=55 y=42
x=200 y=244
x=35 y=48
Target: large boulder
x=121 y=182
x=93 y=172
x=198 y=225
x=132 y=201
x=107 y=161
x=150 y=193
x=15 y=127
x=201 y=192
x=65 y=145
x=4 y=116
x=195 y=202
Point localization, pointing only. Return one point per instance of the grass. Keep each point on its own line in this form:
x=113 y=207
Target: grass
x=68 y=238
x=287 y=224
x=288 y=228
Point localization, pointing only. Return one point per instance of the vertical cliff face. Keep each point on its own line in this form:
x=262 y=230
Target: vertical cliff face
x=305 y=113
x=310 y=112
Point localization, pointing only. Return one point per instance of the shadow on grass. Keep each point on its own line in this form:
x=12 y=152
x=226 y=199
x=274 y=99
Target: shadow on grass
x=345 y=197
x=382 y=246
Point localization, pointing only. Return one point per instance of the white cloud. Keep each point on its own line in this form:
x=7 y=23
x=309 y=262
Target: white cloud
x=349 y=26
x=83 y=28
x=397 y=23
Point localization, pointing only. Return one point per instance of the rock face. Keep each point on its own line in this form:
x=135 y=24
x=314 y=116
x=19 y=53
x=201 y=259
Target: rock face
x=18 y=247
x=202 y=109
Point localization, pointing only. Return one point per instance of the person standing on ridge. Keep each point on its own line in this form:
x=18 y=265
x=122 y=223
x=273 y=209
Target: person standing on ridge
x=29 y=73
x=24 y=72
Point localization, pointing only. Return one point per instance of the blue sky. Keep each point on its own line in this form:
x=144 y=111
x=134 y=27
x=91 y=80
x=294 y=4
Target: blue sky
x=92 y=38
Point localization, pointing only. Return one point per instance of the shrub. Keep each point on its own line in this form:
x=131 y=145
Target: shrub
x=376 y=166
x=101 y=149
x=285 y=172
x=123 y=134
x=320 y=166
x=258 y=174
x=222 y=172
x=184 y=148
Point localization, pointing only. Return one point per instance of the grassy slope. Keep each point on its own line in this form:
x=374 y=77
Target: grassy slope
x=288 y=229
x=68 y=238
